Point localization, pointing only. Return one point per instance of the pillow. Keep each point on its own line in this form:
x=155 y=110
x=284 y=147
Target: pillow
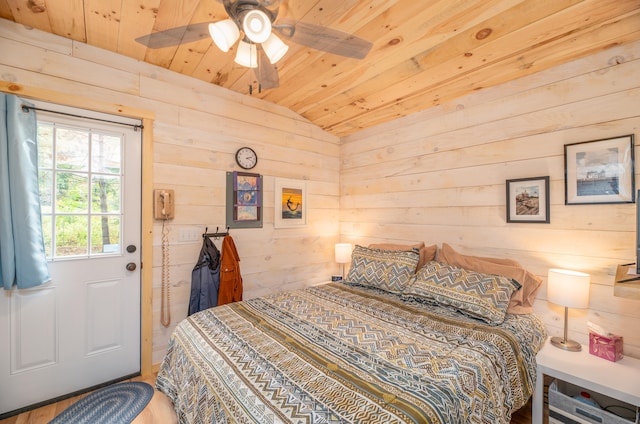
x=522 y=300
x=476 y=294
x=389 y=270
x=427 y=253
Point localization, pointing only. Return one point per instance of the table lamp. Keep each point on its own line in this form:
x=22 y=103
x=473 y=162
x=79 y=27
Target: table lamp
x=343 y=255
x=571 y=290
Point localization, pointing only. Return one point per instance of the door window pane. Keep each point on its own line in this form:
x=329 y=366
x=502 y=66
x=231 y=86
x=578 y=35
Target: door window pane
x=47 y=233
x=45 y=185
x=105 y=153
x=105 y=234
x=71 y=235
x=105 y=194
x=45 y=146
x=72 y=149
x=72 y=192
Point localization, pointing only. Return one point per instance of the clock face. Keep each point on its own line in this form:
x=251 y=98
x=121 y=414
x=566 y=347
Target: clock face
x=246 y=158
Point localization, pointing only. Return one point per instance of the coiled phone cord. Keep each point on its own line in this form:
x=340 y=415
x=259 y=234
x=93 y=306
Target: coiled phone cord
x=165 y=302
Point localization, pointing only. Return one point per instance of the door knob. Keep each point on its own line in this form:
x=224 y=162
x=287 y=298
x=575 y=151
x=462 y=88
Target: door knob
x=131 y=248
x=131 y=266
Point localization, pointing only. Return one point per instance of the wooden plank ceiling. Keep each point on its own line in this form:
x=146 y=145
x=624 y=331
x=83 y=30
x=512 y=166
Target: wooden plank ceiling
x=424 y=52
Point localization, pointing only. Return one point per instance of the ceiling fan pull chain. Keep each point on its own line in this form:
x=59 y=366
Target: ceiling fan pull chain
x=258 y=73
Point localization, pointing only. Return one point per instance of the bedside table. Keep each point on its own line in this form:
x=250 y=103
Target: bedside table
x=619 y=380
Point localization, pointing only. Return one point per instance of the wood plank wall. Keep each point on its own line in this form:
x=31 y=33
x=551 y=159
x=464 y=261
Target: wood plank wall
x=197 y=129
x=439 y=176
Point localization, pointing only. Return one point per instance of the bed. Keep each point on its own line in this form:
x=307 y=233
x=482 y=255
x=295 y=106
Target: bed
x=393 y=351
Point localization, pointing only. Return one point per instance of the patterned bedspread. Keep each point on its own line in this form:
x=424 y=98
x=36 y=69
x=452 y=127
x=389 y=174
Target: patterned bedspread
x=342 y=354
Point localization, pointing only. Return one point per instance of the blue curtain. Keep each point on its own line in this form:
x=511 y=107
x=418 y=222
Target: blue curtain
x=22 y=255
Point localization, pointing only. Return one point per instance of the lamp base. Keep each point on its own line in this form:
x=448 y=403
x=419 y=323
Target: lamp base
x=569 y=345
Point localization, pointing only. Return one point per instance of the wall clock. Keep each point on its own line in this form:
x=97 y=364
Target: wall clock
x=246 y=158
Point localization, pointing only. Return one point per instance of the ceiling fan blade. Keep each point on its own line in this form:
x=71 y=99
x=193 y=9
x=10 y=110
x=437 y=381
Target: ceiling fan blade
x=324 y=38
x=175 y=36
x=266 y=72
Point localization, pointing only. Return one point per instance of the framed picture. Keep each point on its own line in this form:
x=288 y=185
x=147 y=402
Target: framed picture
x=599 y=171
x=290 y=203
x=244 y=200
x=528 y=200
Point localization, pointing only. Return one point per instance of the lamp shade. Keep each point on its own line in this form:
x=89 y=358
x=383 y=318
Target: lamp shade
x=247 y=55
x=274 y=48
x=224 y=34
x=568 y=288
x=256 y=26
x=343 y=253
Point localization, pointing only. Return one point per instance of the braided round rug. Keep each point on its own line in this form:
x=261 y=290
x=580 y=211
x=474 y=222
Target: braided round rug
x=115 y=404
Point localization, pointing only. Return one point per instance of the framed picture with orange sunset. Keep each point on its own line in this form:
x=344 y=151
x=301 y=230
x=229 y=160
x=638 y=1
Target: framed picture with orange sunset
x=290 y=203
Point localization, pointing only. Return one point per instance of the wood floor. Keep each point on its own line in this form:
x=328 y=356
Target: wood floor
x=160 y=411
x=523 y=415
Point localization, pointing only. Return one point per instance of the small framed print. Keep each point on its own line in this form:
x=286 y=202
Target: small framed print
x=290 y=203
x=528 y=200
x=244 y=200
x=599 y=171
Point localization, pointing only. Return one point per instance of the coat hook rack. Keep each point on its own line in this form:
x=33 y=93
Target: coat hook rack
x=216 y=234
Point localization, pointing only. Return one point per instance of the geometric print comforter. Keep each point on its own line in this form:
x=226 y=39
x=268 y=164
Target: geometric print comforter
x=342 y=354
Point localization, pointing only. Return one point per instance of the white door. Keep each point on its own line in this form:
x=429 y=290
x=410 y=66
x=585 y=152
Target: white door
x=83 y=328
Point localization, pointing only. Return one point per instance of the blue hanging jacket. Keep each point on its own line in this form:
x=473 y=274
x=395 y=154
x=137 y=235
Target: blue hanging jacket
x=205 y=278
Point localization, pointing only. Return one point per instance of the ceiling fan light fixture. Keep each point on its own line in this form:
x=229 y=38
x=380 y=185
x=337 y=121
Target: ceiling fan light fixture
x=224 y=34
x=256 y=26
x=247 y=55
x=274 y=48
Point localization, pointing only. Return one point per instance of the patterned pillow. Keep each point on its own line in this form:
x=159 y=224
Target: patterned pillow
x=389 y=270
x=521 y=300
x=483 y=296
x=427 y=253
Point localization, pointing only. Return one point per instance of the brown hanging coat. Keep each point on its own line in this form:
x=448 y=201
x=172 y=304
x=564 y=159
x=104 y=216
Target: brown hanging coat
x=230 y=279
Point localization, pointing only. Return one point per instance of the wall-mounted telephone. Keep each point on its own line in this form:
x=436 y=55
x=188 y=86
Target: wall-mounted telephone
x=163 y=204
x=163 y=208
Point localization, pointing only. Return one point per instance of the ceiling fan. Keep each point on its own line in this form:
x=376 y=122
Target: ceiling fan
x=260 y=47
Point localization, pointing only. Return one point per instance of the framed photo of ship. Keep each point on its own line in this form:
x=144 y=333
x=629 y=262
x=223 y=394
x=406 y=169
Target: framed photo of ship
x=528 y=200
x=599 y=171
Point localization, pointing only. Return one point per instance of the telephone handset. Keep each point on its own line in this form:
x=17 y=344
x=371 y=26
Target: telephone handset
x=163 y=204
x=163 y=208
x=164 y=199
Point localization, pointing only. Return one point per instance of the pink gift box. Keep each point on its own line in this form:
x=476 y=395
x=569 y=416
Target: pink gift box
x=607 y=347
